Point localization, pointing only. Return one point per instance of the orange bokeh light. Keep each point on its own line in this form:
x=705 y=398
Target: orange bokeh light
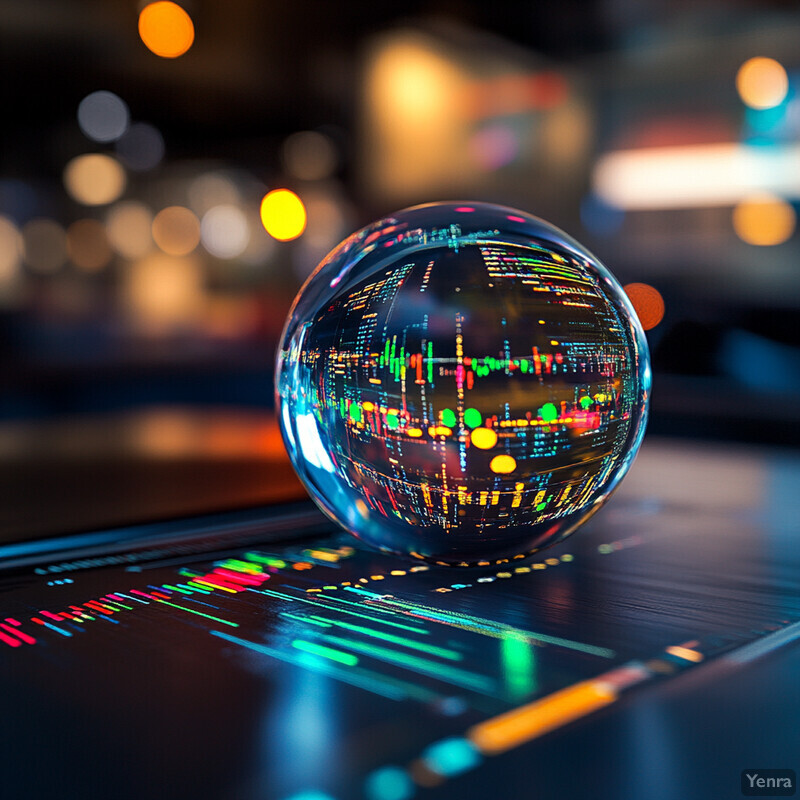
x=762 y=82
x=647 y=302
x=764 y=219
x=166 y=29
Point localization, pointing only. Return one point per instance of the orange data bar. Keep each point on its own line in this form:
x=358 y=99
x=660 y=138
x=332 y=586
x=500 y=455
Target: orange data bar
x=527 y=722
x=685 y=653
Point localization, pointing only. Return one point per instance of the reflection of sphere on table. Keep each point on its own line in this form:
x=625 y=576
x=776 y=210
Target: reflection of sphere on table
x=462 y=383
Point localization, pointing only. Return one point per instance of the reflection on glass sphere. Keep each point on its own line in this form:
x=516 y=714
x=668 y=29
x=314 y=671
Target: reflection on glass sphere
x=462 y=384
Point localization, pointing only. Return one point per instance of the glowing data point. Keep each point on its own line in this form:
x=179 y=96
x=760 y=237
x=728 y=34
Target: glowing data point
x=461 y=383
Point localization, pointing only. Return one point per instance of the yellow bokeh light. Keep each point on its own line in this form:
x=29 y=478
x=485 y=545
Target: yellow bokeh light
x=94 y=179
x=283 y=214
x=484 y=438
x=128 y=227
x=163 y=293
x=762 y=82
x=176 y=230
x=502 y=464
x=414 y=115
x=166 y=29
x=764 y=220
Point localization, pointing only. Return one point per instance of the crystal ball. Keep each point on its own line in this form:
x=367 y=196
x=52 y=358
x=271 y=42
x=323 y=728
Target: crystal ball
x=462 y=383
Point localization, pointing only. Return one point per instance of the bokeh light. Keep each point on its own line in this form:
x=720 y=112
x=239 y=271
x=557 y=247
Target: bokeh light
x=10 y=252
x=87 y=245
x=647 y=302
x=129 y=229
x=503 y=464
x=45 y=244
x=103 y=116
x=310 y=155
x=413 y=100
x=764 y=219
x=212 y=189
x=483 y=438
x=141 y=147
x=494 y=146
x=164 y=293
x=224 y=231
x=94 y=179
x=176 y=230
x=166 y=29
x=762 y=82
x=283 y=214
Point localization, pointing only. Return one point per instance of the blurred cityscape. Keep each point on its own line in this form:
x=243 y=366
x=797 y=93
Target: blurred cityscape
x=170 y=174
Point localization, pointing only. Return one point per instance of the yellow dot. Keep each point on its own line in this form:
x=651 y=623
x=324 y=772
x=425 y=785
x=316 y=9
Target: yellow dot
x=502 y=464
x=484 y=438
x=166 y=29
x=283 y=214
x=762 y=83
x=764 y=219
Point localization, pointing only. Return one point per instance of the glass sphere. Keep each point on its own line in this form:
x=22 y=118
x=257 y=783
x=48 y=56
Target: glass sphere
x=462 y=383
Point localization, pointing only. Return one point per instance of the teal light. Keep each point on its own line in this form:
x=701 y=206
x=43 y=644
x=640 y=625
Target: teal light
x=519 y=666
x=451 y=757
x=388 y=783
x=326 y=652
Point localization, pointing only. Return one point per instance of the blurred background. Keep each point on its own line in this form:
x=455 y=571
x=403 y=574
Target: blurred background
x=170 y=174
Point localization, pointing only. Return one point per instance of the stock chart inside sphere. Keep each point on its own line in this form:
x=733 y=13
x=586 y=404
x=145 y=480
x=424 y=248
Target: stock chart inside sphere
x=462 y=383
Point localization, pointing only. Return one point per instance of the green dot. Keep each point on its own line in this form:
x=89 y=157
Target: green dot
x=585 y=401
x=548 y=412
x=448 y=417
x=355 y=412
x=541 y=506
x=392 y=421
x=472 y=418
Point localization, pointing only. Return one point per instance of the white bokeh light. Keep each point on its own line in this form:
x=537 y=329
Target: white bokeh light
x=224 y=231
x=103 y=116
